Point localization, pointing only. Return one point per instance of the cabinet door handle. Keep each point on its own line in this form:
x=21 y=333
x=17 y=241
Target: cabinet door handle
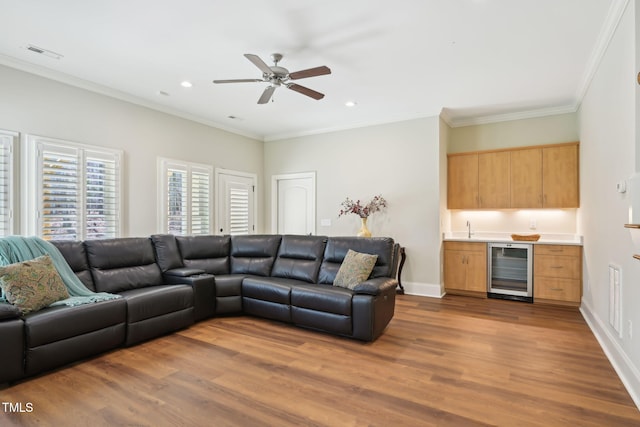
x=556 y=289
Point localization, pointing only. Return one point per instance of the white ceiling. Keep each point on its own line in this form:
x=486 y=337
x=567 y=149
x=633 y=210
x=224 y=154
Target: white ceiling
x=478 y=59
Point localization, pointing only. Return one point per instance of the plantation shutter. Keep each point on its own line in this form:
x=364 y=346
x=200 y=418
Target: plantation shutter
x=200 y=201
x=102 y=201
x=239 y=209
x=177 y=196
x=77 y=190
x=60 y=186
x=6 y=183
x=185 y=197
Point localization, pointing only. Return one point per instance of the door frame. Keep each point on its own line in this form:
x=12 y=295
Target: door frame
x=274 y=196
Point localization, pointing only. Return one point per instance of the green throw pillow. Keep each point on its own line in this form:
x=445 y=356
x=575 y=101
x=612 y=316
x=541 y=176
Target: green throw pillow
x=32 y=285
x=355 y=268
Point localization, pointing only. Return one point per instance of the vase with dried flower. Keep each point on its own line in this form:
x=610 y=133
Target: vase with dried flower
x=349 y=206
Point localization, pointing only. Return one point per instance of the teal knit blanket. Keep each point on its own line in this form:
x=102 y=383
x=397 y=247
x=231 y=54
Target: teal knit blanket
x=18 y=248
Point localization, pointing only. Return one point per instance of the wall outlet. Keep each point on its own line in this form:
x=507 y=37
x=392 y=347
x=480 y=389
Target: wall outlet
x=533 y=224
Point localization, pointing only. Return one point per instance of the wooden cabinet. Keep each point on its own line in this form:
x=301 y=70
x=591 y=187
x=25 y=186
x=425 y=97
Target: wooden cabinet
x=530 y=177
x=560 y=177
x=462 y=181
x=494 y=180
x=465 y=268
x=526 y=178
x=557 y=274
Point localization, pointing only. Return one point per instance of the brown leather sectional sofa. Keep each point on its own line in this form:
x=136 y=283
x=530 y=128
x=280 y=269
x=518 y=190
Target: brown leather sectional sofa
x=169 y=282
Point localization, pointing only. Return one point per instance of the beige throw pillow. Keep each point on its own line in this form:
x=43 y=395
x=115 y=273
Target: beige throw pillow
x=32 y=285
x=355 y=268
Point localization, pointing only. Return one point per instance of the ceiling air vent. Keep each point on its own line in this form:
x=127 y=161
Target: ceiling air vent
x=45 y=52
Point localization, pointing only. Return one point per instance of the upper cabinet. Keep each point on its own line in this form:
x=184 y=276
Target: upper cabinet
x=560 y=177
x=545 y=176
x=462 y=178
x=526 y=178
x=493 y=180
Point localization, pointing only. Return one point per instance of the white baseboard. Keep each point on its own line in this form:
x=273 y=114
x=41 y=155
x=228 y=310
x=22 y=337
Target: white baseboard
x=623 y=365
x=423 y=289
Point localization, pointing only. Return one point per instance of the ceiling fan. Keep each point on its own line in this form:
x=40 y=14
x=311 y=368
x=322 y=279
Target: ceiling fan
x=279 y=76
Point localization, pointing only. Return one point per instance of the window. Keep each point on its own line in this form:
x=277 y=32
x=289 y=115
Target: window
x=185 y=197
x=77 y=190
x=7 y=182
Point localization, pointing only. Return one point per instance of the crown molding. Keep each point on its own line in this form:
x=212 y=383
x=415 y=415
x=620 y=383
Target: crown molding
x=609 y=27
x=616 y=11
x=505 y=117
x=67 y=79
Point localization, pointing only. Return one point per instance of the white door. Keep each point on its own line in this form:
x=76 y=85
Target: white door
x=235 y=207
x=294 y=203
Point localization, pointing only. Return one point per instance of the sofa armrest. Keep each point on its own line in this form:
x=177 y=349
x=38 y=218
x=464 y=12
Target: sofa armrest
x=376 y=286
x=184 y=272
x=9 y=311
x=204 y=293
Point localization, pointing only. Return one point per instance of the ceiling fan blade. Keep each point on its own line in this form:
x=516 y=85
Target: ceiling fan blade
x=311 y=72
x=238 y=81
x=266 y=95
x=258 y=63
x=306 y=91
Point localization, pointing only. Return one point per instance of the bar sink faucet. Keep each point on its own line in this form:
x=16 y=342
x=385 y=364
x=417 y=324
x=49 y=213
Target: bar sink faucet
x=468 y=229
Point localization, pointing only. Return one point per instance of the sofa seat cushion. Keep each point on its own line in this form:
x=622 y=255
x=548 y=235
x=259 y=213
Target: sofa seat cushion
x=153 y=301
x=62 y=322
x=273 y=289
x=325 y=298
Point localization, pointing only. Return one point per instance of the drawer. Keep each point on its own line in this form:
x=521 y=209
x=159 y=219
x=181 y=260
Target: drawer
x=465 y=246
x=569 y=290
x=568 y=250
x=567 y=267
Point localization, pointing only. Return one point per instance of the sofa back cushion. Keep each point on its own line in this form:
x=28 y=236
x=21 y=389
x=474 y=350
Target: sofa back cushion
x=337 y=248
x=299 y=257
x=167 y=253
x=254 y=254
x=122 y=264
x=208 y=253
x=76 y=256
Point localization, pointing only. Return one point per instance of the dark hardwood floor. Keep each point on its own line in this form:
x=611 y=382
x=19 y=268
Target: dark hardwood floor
x=455 y=361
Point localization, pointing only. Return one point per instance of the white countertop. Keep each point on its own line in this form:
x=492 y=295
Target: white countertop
x=479 y=236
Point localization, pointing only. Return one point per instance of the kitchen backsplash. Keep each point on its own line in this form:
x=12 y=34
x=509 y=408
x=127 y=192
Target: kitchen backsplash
x=525 y=221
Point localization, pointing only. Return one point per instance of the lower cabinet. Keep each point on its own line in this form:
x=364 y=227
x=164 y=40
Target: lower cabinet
x=557 y=274
x=465 y=268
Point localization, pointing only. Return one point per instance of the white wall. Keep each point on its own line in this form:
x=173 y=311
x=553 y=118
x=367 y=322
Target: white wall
x=401 y=161
x=515 y=133
x=34 y=105
x=607 y=156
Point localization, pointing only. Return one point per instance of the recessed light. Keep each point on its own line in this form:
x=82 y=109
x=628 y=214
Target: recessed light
x=186 y=83
x=351 y=103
